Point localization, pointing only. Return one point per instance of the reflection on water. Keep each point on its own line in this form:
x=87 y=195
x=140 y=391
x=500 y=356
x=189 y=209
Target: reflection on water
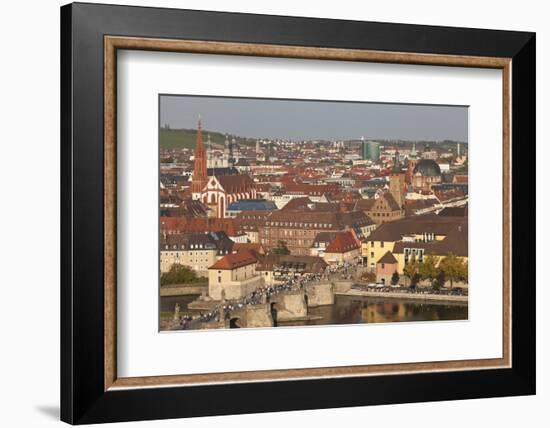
x=356 y=310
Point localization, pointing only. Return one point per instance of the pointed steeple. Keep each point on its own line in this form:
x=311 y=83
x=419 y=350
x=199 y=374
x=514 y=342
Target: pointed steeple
x=200 y=176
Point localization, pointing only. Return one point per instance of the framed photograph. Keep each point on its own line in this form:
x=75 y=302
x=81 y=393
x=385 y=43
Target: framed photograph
x=266 y=213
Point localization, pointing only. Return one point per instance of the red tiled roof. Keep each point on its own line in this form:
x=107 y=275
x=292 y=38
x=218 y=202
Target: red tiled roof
x=185 y=225
x=463 y=179
x=234 y=261
x=236 y=183
x=344 y=242
x=297 y=203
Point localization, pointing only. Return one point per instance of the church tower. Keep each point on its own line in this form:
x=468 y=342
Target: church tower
x=411 y=164
x=200 y=175
x=397 y=182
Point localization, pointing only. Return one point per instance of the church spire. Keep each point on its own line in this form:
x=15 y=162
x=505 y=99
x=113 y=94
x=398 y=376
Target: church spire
x=200 y=176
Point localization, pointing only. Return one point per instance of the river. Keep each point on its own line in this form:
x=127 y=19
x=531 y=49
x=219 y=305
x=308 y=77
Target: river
x=357 y=310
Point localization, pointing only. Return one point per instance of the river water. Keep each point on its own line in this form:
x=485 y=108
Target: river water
x=357 y=310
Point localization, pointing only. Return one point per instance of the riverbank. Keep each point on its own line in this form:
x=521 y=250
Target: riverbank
x=398 y=295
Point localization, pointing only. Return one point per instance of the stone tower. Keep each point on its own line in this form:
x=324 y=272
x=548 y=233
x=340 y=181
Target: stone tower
x=411 y=163
x=397 y=182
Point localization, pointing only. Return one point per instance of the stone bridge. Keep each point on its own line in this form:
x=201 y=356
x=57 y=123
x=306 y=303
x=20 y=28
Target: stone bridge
x=280 y=308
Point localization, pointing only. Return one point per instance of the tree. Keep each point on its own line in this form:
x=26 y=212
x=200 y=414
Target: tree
x=454 y=268
x=179 y=274
x=369 y=277
x=411 y=271
x=439 y=280
x=281 y=248
x=464 y=271
x=428 y=269
x=395 y=278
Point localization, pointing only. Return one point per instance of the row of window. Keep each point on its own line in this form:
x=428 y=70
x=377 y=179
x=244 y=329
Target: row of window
x=295 y=224
x=198 y=253
x=391 y=214
x=286 y=232
x=413 y=254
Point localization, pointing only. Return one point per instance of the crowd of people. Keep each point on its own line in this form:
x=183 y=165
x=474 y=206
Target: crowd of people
x=291 y=283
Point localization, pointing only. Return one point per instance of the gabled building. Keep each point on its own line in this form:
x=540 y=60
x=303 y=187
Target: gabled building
x=385 y=209
x=390 y=205
x=219 y=192
x=386 y=267
x=344 y=248
x=234 y=276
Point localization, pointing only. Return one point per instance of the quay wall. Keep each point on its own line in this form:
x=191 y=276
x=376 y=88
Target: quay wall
x=410 y=296
x=182 y=290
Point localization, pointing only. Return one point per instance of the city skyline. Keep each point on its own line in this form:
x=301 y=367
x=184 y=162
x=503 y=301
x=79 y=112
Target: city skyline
x=286 y=233
x=306 y=119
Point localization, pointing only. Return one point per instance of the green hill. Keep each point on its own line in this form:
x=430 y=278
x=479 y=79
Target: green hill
x=187 y=138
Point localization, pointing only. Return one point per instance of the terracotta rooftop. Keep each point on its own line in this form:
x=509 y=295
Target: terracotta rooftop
x=187 y=225
x=342 y=243
x=236 y=183
x=255 y=247
x=234 y=261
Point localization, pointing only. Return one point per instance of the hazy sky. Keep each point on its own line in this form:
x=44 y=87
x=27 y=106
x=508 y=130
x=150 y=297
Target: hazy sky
x=272 y=118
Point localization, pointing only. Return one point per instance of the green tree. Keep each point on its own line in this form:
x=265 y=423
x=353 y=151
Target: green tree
x=428 y=268
x=369 y=277
x=454 y=268
x=464 y=271
x=281 y=248
x=179 y=274
x=395 y=278
x=411 y=271
x=439 y=281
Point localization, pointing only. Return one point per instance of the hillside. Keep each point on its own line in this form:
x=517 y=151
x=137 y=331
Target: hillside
x=186 y=138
